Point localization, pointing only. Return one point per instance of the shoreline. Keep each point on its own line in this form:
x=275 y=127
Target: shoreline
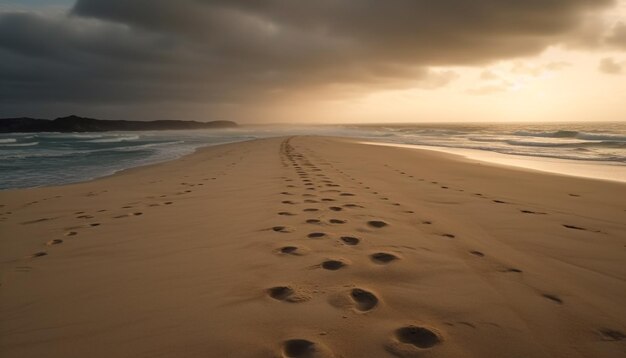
x=574 y=168
x=609 y=171
x=322 y=241
x=121 y=170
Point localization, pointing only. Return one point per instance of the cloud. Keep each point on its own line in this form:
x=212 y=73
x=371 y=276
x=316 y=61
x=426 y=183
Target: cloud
x=617 y=37
x=497 y=79
x=538 y=70
x=221 y=53
x=610 y=66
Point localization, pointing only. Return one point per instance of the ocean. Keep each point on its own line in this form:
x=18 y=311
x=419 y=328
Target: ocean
x=41 y=159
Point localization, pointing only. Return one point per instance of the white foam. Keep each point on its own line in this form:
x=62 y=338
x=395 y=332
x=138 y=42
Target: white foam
x=611 y=171
x=114 y=139
x=29 y=144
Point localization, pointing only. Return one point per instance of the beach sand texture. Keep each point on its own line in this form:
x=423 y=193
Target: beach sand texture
x=315 y=247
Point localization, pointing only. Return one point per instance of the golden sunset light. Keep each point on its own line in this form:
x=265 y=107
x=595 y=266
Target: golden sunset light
x=313 y=178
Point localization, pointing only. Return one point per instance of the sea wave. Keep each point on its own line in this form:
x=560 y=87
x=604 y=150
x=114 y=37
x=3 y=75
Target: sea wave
x=69 y=135
x=569 y=144
x=550 y=134
x=65 y=153
x=7 y=140
x=572 y=134
x=28 y=144
x=602 y=136
x=570 y=155
x=83 y=136
x=114 y=139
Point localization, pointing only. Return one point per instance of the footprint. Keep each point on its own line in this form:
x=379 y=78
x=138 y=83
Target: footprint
x=553 y=298
x=477 y=253
x=332 y=265
x=302 y=348
x=511 y=269
x=288 y=202
x=450 y=236
x=39 y=254
x=419 y=337
x=346 y=194
x=289 y=250
x=316 y=235
x=349 y=240
x=35 y=221
x=282 y=229
x=383 y=257
x=310 y=209
x=54 y=242
x=286 y=213
x=377 y=224
x=335 y=208
x=71 y=233
x=313 y=221
x=574 y=227
x=94 y=224
x=532 y=212
x=364 y=300
x=137 y=213
x=611 y=334
x=281 y=293
x=337 y=221
x=499 y=202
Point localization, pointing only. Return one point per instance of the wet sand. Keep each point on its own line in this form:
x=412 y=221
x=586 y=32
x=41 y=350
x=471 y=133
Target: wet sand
x=315 y=247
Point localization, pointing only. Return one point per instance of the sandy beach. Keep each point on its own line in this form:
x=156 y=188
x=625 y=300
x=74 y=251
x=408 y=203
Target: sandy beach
x=315 y=247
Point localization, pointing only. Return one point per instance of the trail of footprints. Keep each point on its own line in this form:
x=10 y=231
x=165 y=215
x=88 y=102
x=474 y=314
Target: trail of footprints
x=320 y=189
x=90 y=220
x=328 y=197
x=495 y=201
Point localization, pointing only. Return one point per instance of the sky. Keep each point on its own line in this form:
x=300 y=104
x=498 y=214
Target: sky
x=323 y=61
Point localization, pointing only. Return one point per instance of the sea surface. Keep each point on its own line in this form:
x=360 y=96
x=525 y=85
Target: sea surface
x=41 y=159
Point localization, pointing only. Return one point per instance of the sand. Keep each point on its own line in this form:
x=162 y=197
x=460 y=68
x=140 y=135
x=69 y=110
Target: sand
x=315 y=247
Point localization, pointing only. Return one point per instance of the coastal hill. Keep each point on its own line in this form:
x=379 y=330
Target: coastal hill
x=81 y=124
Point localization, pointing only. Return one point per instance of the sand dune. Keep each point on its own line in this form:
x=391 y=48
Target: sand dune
x=315 y=247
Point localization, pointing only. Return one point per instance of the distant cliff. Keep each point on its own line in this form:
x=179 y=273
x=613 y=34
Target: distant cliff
x=80 y=124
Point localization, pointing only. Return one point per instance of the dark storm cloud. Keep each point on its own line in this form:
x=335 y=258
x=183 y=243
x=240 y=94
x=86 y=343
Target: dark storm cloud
x=232 y=51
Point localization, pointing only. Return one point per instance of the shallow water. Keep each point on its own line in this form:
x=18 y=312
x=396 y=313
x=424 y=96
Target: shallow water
x=39 y=159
